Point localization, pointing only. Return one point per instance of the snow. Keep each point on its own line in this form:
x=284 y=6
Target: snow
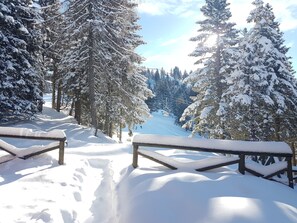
x=8 y=147
x=22 y=152
x=205 y=112
x=162 y=158
x=266 y=170
x=6 y=158
x=8 y=131
x=243 y=99
x=160 y=125
x=217 y=144
x=33 y=149
x=24 y=29
x=9 y=19
x=98 y=184
x=191 y=165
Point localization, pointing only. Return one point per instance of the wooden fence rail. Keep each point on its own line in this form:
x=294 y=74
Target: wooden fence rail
x=241 y=149
x=57 y=139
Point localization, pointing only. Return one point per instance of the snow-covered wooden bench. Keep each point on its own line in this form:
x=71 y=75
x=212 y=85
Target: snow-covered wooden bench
x=240 y=149
x=56 y=138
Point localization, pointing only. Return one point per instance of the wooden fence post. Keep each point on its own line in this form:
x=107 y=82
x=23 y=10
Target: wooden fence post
x=241 y=165
x=61 y=152
x=290 y=172
x=294 y=153
x=135 y=156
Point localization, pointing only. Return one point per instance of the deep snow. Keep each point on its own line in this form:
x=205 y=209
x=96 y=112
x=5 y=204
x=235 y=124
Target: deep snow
x=97 y=184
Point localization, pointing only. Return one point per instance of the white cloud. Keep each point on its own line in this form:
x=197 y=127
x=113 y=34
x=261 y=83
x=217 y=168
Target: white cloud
x=175 y=51
x=177 y=54
x=152 y=8
x=172 y=41
x=183 y=8
x=169 y=61
x=284 y=12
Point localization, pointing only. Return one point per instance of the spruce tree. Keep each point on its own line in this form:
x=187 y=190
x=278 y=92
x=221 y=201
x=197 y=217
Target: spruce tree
x=262 y=91
x=20 y=81
x=51 y=47
x=246 y=91
x=216 y=39
x=133 y=90
x=283 y=89
x=170 y=93
x=86 y=56
x=100 y=62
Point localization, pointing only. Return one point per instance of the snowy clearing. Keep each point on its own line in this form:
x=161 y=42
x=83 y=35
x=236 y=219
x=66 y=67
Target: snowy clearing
x=98 y=184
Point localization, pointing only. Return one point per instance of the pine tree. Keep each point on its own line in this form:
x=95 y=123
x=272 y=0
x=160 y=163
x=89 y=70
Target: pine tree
x=151 y=83
x=85 y=36
x=215 y=53
x=246 y=92
x=51 y=30
x=283 y=89
x=134 y=93
x=100 y=62
x=20 y=81
x=176 y=73
x=133 y=90
x=181 y=101
x=263 y=90
x=170 y=93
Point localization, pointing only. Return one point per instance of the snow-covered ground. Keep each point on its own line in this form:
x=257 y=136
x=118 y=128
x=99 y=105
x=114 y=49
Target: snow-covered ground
x=97 y=184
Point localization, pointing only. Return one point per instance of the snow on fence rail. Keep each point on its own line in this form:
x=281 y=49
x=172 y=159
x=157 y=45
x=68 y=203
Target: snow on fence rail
x=240 y=148
x=57 y=136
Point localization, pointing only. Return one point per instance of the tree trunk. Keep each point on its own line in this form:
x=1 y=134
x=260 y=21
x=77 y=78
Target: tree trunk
x=91 y=75
x=106 y=122
x=294 y=153
x=77 y=106
x=277 y=128
x=217 y=73
x=110 y=129
x=59 y=96
x=120 y=132
x=219 y=86
x=54 y=80
x=120 y=126
x=72 y=107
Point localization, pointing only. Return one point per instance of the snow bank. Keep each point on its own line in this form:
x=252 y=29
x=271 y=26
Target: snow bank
x=177 y=197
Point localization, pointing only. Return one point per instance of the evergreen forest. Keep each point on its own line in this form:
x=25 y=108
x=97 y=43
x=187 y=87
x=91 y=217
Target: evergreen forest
x=83 y=52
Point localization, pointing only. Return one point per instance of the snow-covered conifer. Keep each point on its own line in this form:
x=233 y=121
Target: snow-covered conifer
x=263 y=93
x=20 y=82
x=51 y=47
x=125 y=85
x=100 y=62
x=216 y=39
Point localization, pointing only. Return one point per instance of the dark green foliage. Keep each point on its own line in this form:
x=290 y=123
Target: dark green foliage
x=215 y=52
x=262 y=90
x=171 y=94
x=20 y=83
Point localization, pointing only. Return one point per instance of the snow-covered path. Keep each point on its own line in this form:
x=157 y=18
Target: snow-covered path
x=97 y=184
x=82 y=190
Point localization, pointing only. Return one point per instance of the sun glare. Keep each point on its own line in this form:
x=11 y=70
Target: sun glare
x=228 y=208
x=211 y=41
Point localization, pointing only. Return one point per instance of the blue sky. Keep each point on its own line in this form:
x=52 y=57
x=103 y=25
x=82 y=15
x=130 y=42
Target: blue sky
x=167 y=26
